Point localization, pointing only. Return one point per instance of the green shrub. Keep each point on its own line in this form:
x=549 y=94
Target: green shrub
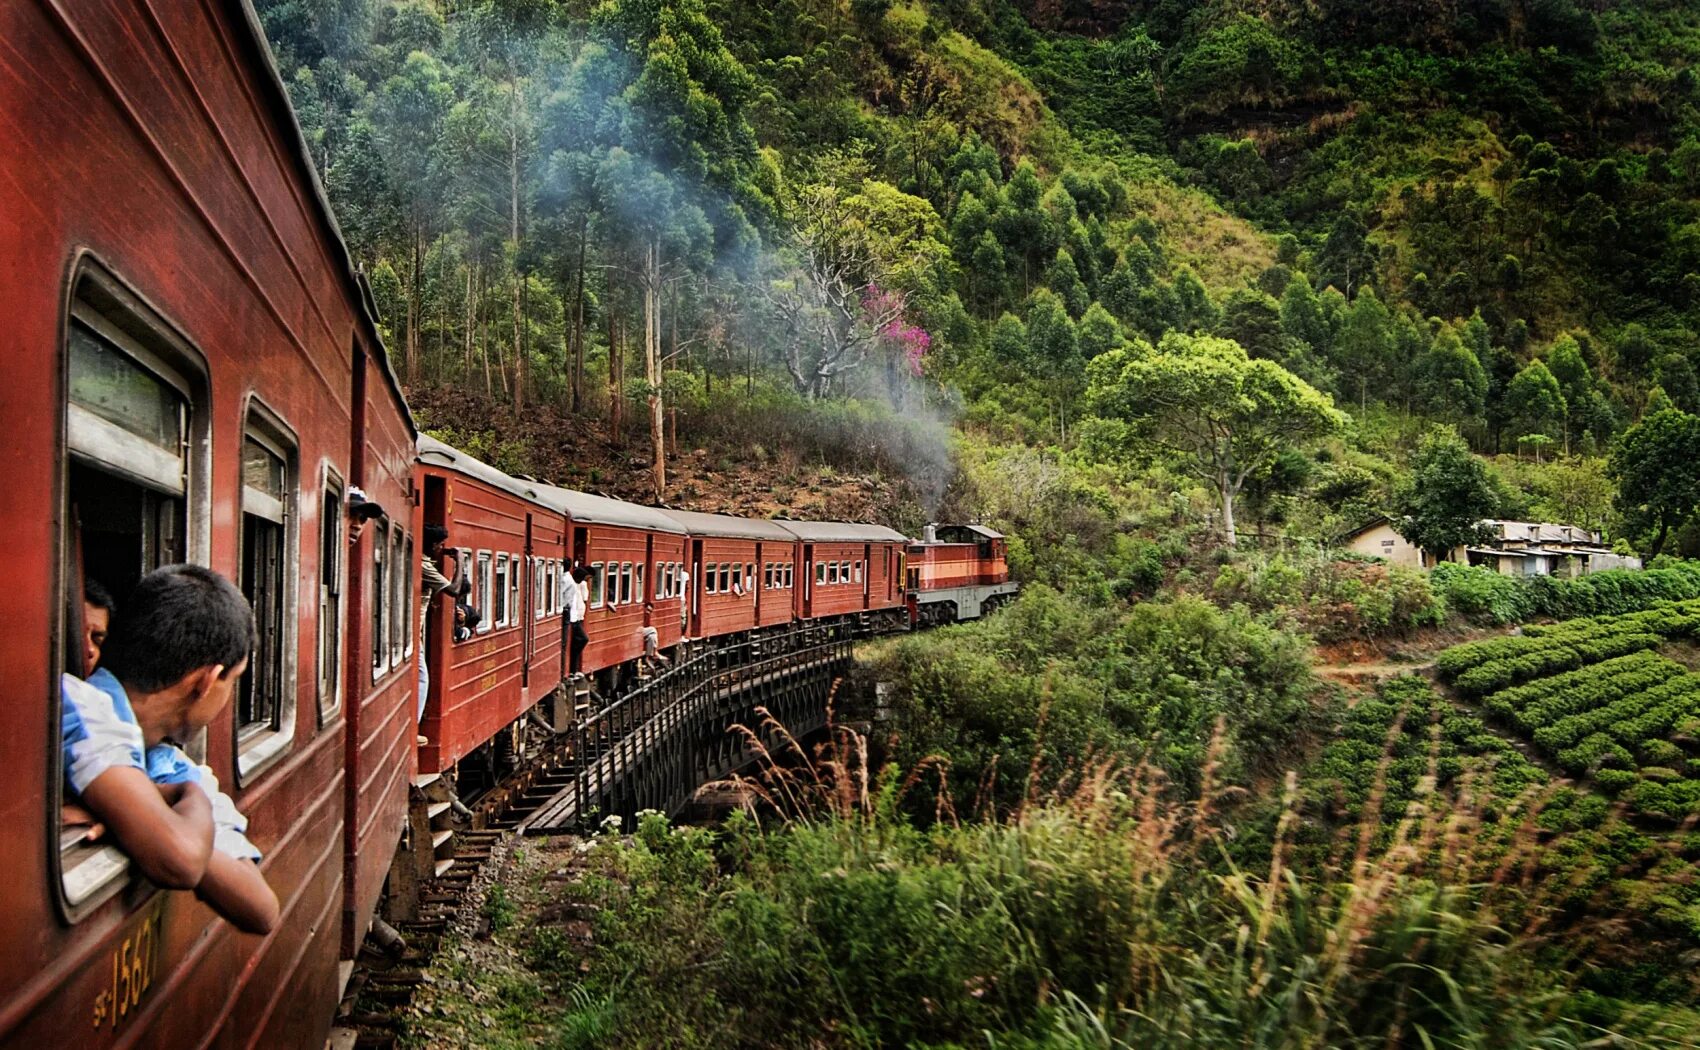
x=1613 y=781
x=1486 y=596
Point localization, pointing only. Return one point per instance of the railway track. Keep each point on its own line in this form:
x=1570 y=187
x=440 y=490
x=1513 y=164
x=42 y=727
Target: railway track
x=372 y=1013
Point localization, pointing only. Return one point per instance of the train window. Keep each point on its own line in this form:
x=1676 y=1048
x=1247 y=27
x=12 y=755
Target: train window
x=515 y=591
x=637 y=583
x=410 y=597
x=398 y=588
x=331 y=545
x=750 y=574
x=265 y=711
x=625 y=583
x=598 y=585
x=820 y=572
x=662 y=573
x=380 y=604
x=710 y=580
x=737 y=579
x=500 y=609
x=482 y=585
x=856 y=567
x=135 y=493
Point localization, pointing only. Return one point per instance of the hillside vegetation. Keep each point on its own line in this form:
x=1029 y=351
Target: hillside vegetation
x=1174 y=293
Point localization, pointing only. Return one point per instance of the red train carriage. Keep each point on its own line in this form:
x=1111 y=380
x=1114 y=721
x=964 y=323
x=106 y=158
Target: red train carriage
x=636 y=557
x=845 y=569
x=958 y=572
x=742 y=573
x=192 y=375
x=508 y=543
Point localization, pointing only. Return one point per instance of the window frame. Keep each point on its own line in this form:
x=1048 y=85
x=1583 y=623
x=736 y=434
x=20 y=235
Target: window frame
x=257 y=750
x=97 y=872
x=333 y=541
x=516 y=591
x=400 y=574
x=484 y=574
x=599 y=585
x=379 y=623
x=499 y=570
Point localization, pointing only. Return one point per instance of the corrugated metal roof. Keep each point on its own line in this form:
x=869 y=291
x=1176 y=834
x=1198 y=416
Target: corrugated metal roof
x=585 y=508
x=730 y=526
x=436 y=453
x=841 y=532
x=978 y=530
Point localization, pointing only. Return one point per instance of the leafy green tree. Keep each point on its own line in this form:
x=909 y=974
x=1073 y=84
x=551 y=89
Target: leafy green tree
x=1441 y=505
x=1253 y=320
x=1364 y=346
x=1302 y=317
x=1064 y=279
x=1345 y=261
x=1536 y=403
x=1656 y=465
x=1575 y=381
x=1195 y=311
x=1450 y=382
x=1008 y=341
x=1022 y=225
x=986 y=270
x=1098 y=332
x=1676 y=376
x=1226 y=415
x=1122 y=286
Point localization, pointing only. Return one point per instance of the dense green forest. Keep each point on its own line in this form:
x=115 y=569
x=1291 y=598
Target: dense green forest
x=1175 y=293
x=1481 y=215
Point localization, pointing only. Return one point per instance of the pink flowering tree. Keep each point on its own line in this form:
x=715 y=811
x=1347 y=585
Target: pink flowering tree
x=908 y=342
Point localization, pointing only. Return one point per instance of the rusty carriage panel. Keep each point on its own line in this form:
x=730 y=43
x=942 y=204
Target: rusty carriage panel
x=497 y=525
x=166 y=226
x=741 y=573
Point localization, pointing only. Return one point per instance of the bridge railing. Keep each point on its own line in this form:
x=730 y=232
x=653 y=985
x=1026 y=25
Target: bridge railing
x=652 y=747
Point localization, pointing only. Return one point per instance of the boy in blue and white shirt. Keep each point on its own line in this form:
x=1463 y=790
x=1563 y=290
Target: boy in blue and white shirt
x=170 y=665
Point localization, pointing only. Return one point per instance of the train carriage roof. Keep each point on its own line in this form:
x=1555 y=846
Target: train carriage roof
x=587 y=509
x=841 y=532
x=436 y=453
x=730 y=526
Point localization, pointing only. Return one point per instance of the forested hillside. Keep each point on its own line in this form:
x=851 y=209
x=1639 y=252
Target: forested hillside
x=1482 y=215
x=1174 y=293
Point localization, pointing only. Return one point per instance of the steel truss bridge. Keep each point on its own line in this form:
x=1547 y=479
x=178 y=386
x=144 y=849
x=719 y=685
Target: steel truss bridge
x=658 y=743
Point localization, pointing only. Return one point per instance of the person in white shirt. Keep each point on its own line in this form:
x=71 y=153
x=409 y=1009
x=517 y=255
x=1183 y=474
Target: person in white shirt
x=576 y=588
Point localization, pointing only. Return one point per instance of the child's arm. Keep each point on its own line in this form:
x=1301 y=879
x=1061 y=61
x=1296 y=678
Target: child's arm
x=237 y=890
x=167 y=829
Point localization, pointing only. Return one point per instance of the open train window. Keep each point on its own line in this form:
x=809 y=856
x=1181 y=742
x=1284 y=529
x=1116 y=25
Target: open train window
x=410 y=596
x=483 y=587
x=380 y=602
x=401 y=579
x=856 y=567
x=598 y=585
x=135 y=499
x=500 y=609
x=515 y=614
x=265 y=709
x=625 y=583
x=331 y=545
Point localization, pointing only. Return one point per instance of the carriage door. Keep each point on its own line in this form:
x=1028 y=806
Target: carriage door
x=696 y=585
x=649 y=580
x=808 y=580
x=529 y=614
